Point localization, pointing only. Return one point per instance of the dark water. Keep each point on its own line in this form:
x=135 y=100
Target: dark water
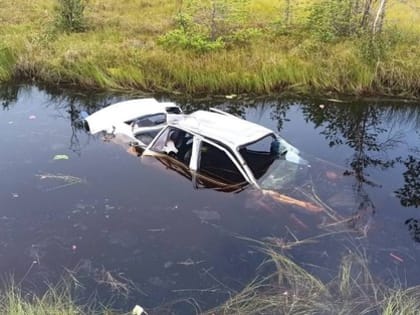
x=133 y=232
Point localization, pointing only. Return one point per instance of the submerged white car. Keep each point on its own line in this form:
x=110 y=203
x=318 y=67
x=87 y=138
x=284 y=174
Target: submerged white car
x=140 y=119
x=218 y=150
x=213 y=142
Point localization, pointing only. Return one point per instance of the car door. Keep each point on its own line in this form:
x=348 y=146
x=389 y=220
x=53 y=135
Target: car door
x=206 y=164
x=176 y=144
x=217 y=163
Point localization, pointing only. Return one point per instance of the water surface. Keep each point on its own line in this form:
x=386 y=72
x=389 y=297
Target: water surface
x=133 y=232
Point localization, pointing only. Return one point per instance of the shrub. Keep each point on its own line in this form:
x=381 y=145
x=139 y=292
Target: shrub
x=331 y=19
x=209 y=25
x=193 y=41
x=70 y=15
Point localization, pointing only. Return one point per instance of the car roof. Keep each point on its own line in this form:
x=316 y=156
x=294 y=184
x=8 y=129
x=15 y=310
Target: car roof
x=126 y=111
x=225 y=128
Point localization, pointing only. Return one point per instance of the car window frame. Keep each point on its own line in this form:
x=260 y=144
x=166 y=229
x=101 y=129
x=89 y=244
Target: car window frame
x=192 y=166
x=227 y=152
x=234 y=156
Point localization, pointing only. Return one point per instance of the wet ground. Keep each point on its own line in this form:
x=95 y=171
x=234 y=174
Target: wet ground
x=134 y=232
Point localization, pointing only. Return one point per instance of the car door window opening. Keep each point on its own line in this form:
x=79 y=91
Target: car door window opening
x=176 y=143
x=216 y=163
x=260 y=154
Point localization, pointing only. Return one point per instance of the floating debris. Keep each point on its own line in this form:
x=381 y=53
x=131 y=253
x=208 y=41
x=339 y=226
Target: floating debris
x=117 y=283
x=15 y=195
x=138 y=310
x=67 y=179
x=190 y=262
x=156 y=230
x=60 y=157
x=397 y=258
x=311 y=207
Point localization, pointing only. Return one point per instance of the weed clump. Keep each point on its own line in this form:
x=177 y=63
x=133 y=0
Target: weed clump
x=70 y=16
x=292 y=289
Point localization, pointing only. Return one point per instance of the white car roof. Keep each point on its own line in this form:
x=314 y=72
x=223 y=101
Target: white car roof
x=227 y=129
x=125 y=111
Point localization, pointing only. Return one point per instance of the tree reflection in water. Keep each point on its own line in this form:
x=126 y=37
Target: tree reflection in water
x=413 y=226
x=409 y=194
x=70 y=105
x=361 y=127
x=8 y=95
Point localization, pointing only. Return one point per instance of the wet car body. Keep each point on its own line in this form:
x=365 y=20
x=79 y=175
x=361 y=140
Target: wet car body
x=140 y=120
x=217 y=150
x=212 y=142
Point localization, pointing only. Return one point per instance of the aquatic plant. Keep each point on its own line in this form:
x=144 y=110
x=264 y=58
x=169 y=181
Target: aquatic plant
x=291 y=289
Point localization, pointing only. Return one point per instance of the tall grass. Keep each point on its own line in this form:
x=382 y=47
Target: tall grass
x=120 y=49
x=294 y=290
x=57 y=300
x=7 y=63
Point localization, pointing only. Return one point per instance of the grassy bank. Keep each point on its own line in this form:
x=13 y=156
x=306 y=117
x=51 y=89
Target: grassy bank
x=291 y=289
x=131 y=45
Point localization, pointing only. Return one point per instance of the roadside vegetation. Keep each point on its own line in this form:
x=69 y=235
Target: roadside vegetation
x=215 y=46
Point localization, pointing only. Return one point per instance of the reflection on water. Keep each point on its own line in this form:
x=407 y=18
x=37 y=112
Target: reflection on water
x=409 y=194
x=134 y=231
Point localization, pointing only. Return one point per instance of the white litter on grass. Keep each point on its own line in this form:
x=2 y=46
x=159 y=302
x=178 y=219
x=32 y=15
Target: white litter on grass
x=138 y=310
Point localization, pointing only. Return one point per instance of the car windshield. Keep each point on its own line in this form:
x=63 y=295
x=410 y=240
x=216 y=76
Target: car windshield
x=273 y=162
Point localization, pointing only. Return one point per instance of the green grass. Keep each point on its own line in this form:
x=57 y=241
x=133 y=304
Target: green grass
x=57 y=300
x=50 y=304
x=293 y=290
x=120 y=50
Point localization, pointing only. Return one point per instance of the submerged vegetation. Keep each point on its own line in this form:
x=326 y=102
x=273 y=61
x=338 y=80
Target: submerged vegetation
x=215 y=46
x=292 y=289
